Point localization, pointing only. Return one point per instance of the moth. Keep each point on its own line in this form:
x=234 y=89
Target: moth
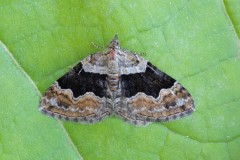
x=118 y=82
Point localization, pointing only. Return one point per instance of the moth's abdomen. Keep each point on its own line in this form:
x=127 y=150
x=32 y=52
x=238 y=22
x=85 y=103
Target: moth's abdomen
x=113 y=83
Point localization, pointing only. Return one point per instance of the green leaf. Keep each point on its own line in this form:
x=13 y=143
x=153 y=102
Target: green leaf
x=233 y=11
x=196 y=42
x=25 y=133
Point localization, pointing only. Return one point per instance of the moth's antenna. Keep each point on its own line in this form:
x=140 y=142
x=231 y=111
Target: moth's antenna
x=85 y=64
x=114 y=43
x=97 y=46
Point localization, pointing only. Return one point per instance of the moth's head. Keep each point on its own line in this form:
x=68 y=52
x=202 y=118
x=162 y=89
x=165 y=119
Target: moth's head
x=114 y=44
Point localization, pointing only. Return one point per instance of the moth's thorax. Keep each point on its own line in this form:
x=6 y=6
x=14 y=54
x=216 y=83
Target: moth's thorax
x=113 y=71
x=112 y=54
x=114 y=48
x=113 y=61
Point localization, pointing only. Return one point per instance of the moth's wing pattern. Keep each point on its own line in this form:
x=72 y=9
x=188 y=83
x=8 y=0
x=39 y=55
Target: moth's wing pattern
x=96 y=63
x=79 y=95
x=130 y=63
x=152 y=96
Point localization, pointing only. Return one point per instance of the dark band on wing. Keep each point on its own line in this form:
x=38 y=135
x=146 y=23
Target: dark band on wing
x=83 y=82
x=149 y=82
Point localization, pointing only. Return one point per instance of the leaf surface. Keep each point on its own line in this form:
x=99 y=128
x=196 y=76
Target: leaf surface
x=196 y=42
